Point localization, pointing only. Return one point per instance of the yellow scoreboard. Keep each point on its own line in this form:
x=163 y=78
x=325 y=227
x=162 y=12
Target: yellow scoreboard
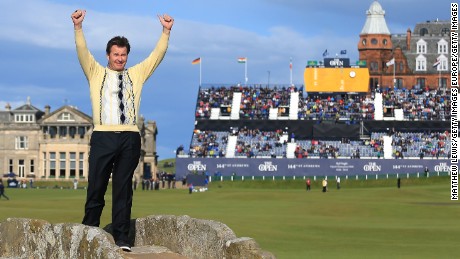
x=336 y=79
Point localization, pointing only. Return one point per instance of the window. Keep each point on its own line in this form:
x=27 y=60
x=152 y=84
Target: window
x=374 y=66
x=62 y=164
x=80 y=164
x=385 y=41
x=374 y=83
x=52 y=164
x=66 y=116
x=442 y=47
x=374 y=41
x=24 y=118
x=81 y=132
x=44 y=163
x=420 y=62
x=443 y=64
x=364 y=42
x=421 y=83
x=21 y=168
x=399 y=83
x=421 y=47
x=32 y=166
x=22 y=142
x=52 y=130
x=442 y=82
x=423 y=31
x=72 y=131
x=401 y=66
x=73 y=164
x=10 y=166
x=62 y=131
x=445 y=31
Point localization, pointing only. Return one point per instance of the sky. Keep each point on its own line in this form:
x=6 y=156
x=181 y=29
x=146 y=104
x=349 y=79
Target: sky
x=38 y=57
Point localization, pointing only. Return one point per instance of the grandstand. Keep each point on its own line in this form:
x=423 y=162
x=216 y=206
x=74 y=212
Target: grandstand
x=257 y=130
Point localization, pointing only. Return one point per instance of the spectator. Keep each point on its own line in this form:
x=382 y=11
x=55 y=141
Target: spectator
x=2 y=190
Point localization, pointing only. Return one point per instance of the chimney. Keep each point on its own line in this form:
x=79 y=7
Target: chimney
x=47 y=109
x=8 y=107
x=408 y=38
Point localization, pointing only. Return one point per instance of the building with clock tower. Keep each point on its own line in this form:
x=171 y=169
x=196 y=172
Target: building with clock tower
x=413 y=59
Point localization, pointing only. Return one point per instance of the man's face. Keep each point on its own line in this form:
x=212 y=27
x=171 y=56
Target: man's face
x=117 y=58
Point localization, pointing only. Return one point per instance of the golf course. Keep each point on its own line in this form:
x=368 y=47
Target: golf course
x=364 y=219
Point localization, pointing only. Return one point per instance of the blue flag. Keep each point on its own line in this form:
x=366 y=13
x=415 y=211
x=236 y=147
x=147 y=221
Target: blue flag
x=325 y=53
x=343 y=52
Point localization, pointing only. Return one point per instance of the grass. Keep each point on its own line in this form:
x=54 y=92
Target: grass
x=365 y=219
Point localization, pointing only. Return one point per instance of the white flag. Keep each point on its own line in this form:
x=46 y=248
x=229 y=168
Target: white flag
x=391 y=62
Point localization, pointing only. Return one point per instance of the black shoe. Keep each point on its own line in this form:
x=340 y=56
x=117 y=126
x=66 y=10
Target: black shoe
x=124 y=246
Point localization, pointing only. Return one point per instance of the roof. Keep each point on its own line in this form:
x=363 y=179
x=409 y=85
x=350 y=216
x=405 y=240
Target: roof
x=375 y=22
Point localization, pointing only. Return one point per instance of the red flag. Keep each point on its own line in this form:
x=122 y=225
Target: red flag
x=196 y=61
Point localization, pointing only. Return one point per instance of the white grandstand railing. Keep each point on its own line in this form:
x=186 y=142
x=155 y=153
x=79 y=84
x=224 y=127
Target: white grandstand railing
x=290 y=150
x=294 y=106
x=378 y=107
x=235 y=113
x=273 y=115
x=231 y=145
x=387 y=147
x=215 y=112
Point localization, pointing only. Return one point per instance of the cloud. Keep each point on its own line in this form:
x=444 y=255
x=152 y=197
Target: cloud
x=53 y=29
x=42 y=34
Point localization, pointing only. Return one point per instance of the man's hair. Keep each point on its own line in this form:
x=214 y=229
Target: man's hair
x=119 y=41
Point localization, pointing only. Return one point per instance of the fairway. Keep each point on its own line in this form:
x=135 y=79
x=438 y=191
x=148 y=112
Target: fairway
x=360 y=222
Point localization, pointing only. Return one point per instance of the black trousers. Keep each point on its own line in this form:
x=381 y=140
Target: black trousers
x=115 y=153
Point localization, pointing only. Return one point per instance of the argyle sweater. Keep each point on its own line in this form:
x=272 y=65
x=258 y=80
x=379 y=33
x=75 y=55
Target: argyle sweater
x=115 y=96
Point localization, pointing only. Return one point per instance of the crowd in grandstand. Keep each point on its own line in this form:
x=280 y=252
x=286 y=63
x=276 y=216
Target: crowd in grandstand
x=349 y=107
x=417 y=104
x=257 y=101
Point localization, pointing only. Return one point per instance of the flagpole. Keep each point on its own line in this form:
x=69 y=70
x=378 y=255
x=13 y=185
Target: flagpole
x=439 y=79
x=201 y=60
x=290 y=71
x=246 y=72
x=394 y=73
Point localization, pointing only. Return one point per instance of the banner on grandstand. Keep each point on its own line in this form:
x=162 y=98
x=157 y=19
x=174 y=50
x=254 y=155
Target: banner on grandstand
x=307 y=167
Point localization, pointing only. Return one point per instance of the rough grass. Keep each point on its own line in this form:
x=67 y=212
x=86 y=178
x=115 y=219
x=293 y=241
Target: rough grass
x=365 y=219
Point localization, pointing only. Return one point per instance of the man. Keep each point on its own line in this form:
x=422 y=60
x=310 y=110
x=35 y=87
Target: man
x=2 y=190
x=324 y=185
x=308 y=183
x=115 y=141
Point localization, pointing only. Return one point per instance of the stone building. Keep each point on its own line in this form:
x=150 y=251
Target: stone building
x=55 y=145
x=405 y=60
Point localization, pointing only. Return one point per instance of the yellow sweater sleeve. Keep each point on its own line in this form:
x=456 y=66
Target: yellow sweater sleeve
x=89 y=65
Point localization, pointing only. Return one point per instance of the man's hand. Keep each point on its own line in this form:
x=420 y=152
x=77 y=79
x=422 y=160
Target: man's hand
x=77 y=18
x=167 y=22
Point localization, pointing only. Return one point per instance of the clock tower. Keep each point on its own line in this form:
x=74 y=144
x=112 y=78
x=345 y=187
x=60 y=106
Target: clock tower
x=375 y=46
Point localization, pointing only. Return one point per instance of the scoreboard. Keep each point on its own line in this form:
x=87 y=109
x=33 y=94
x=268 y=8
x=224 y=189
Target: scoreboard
x=336 y=79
